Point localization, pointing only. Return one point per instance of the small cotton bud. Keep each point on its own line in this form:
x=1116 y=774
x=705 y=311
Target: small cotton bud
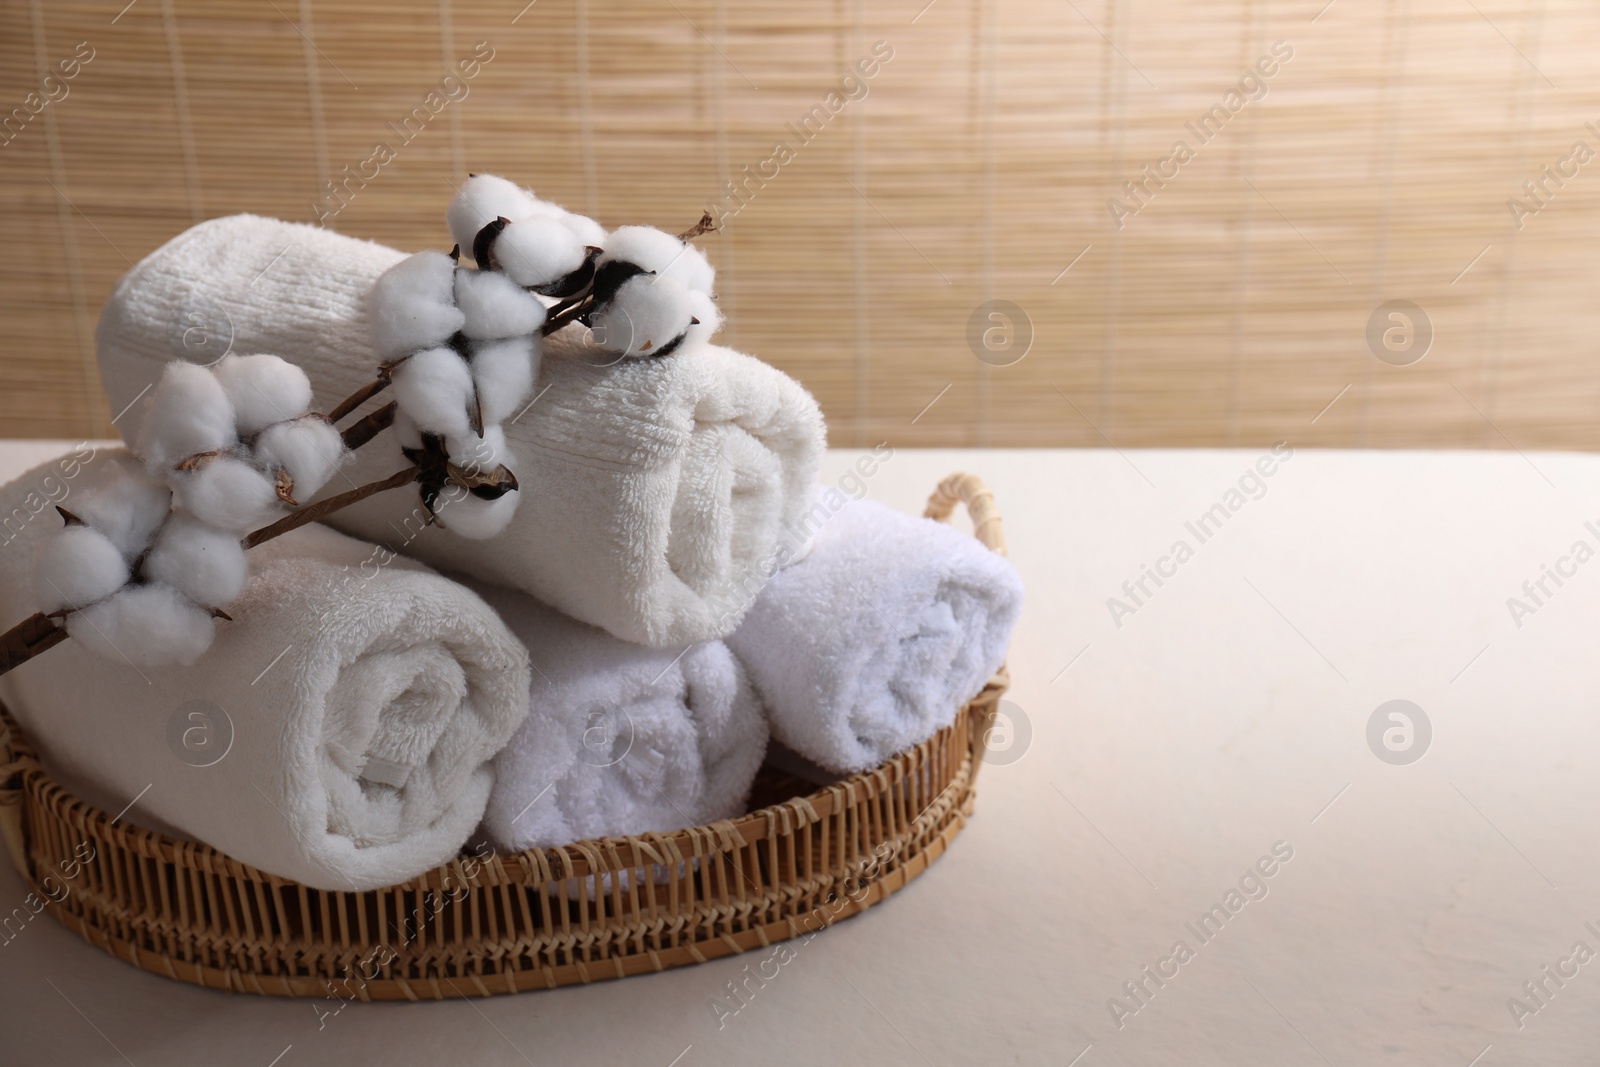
x=149 y=625
x=309 y=448
x=479 y=455
x=647 y=317
x=413 y=305
x=661 y=252
x=434 y=388
x=189 y=412
x=128 y=508
x=477 y=519
x=537 y=251
x=503 y=373
x=77 y=567
x=483 y=198
x=203 y=563
x=495 y=306
x=228 y=493
x=264 y=389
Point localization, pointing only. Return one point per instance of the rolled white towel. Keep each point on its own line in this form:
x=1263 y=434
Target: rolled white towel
x=347 y=714
x=873 y=641
x=653 y=490
x=620 y=739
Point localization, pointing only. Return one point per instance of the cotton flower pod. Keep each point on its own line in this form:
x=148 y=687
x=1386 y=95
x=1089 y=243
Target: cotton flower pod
x=537 y=252
x=264 y=389
x=148 y=625
x=503 y=373
x=646 y=316
x=483 y=198
x=189 y=412
x=477 y=519
x=127 y=509
x=661 y=252
x=434 y=387
x=495 y=306
x=228 y=493
x=205 y=564
x=413 y=305
x=309 y=448
x=78 y=566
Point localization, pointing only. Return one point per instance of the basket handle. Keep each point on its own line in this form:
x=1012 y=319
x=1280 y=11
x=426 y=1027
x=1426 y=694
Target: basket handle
x=969 y=489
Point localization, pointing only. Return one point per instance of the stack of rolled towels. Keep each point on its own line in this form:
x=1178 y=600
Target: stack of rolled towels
x=673 y=594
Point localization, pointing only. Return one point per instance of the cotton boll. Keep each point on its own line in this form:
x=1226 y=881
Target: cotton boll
x=264 y=389
x=495 y=306
x=537 y=251
x=645 y=318
x=229 y=494
x=482 y=199
x=589 y=232
x=504 y=372
x=148 y=625
x=77 y=567
x=127 y=509
x=309 y=448
x=413 y=305
x=661 y=252
x=434 y=387
x=477 y=519
x=189 y=412
x=203 y=563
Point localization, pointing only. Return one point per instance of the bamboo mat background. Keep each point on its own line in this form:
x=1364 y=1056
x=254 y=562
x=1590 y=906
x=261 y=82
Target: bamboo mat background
x=1231 y=309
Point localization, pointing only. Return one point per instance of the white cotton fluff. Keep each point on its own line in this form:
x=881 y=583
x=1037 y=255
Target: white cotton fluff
x=503 y=373
x=702 y=307
x=479 y=454
x=588 y=231
x=647 y=313
x=407 y=434
x=205 y=564
x=309 y=448
x=537 y=251
x=228 y=493
x=495 y=306
x=434 y=387
x=659 y=251
x=264 y=389
x=77 y=567
x=127 y=509
x=148 y=625
x=478 y=519
x=413 y=305
x=189 y=412
x=482 y=199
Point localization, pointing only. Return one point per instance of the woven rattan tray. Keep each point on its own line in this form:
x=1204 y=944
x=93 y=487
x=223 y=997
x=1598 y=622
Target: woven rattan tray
x=501 y=924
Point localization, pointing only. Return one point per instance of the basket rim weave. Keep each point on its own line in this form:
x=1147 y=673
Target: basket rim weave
x=541 y=918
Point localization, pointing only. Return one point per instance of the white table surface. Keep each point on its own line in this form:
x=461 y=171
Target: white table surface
x=1228 y=713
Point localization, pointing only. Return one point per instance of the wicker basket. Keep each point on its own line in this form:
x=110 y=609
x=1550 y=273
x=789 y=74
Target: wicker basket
x=502 y=924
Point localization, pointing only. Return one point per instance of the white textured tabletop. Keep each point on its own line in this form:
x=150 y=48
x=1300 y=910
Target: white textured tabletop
x=1434 y=891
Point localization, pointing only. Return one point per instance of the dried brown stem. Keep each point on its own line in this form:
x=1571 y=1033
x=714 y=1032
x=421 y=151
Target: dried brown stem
x=359 y=397
x=707 y=224
x=323 y=508
x=361 y=432
x=33 y=635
